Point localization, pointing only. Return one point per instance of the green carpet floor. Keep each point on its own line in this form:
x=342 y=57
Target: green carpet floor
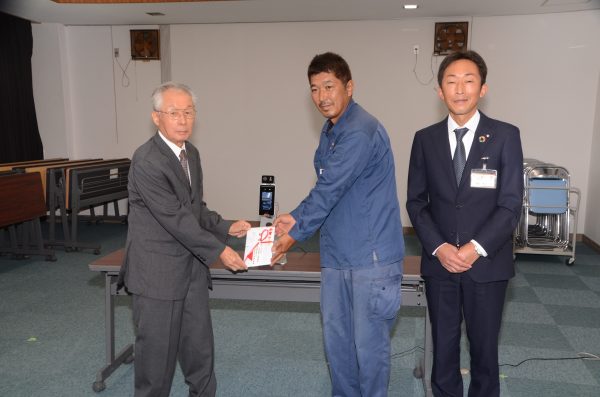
x=52 y=332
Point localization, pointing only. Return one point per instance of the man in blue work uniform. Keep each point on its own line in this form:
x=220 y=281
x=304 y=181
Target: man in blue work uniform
x=355 y=204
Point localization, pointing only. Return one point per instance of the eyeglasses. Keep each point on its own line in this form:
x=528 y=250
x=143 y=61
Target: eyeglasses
x=187 y=114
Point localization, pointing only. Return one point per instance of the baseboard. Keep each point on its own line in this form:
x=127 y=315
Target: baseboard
x=406 y=230
x=410 y=231
x=591 y=243
x=581 y=238
x=89 y=218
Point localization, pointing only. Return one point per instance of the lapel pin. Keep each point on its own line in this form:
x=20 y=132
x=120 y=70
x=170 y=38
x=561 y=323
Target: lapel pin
x=483 y=138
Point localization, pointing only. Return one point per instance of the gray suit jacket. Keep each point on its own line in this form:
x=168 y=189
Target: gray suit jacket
x=170 y=227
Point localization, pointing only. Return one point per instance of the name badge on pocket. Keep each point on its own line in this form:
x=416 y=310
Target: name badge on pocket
x=484 y=178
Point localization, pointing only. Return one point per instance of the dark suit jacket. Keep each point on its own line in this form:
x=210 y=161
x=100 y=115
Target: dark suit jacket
x=442 y=212
x=170 y=227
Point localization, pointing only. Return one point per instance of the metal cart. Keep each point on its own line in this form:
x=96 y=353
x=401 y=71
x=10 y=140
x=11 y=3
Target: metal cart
x=548 y=223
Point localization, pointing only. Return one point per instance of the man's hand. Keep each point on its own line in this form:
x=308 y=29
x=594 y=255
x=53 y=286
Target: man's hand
x=281 y=246
x=451 y=260
x=239 y=228
x=231 y=260
x=468 y=253
x=283 y=224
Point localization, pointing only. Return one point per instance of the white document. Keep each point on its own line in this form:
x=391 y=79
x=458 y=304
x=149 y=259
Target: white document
x=259 y=241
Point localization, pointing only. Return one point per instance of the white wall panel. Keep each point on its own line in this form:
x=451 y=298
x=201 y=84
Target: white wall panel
x=255 y=112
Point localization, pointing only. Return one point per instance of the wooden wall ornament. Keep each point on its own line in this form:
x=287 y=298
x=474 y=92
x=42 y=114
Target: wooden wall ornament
x=145 y=44
x=450 y=36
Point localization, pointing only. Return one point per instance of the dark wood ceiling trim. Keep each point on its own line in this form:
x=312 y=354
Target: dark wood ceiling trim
x=130 y=1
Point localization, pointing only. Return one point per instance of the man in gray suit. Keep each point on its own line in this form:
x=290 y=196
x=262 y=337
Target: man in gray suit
x=172 y=239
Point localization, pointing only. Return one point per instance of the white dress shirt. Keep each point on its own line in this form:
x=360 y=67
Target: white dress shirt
x=177 y=150
x=467 y=142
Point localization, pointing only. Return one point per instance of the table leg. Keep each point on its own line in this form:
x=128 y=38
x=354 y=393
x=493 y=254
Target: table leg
x=427 y=356
x=125 y=355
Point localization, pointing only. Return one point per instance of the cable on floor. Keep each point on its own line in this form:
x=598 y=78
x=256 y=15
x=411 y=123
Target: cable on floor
x=580 y=356
x=405 y=352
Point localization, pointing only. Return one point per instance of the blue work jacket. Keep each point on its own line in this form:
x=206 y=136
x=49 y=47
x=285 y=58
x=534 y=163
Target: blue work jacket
x=354 y=202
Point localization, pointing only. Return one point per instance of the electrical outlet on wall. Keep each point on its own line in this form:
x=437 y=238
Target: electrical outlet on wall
x=116 y=52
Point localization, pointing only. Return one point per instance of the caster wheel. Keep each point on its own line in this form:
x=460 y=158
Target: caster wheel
x=570 y=261
x=51 y=258
x=129 y=359
x=98 y=386
x=96 y=252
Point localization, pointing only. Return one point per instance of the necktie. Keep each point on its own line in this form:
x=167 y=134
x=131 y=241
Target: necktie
x=460 y=157
x=184 y=164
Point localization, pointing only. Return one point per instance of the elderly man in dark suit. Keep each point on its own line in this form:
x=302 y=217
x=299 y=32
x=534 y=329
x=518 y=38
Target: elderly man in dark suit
x=172 y=239
x=464 y=199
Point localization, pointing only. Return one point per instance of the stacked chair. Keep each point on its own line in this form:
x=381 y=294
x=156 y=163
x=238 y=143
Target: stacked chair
x=548 y=223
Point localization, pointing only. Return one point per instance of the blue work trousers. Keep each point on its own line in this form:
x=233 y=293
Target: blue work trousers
x=358 y=309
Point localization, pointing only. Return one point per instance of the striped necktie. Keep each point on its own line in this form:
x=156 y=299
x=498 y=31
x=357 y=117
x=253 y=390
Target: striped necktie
x=184 y=164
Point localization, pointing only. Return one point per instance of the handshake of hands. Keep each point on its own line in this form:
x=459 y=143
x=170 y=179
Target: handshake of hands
x=283 y=224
